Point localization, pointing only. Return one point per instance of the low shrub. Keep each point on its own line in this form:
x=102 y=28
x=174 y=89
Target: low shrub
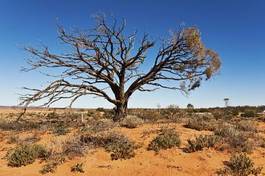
x=119 y=146
x=60 y=129
x=249 y=113
x=53 y=162
x=236 y=139
x=246 y=125
x=15 y=139
x=150 y=115
x=99 y=126
x=201 y=142
x=131 y=121
x=73 y=148
x=77 y=168
x=26 y=154
x=199 y=123
x=168 y=138
x=240 y=165
x=223 y=114
x=53 y=115
x=49 y=167
x=241 y=143
x=18 y=126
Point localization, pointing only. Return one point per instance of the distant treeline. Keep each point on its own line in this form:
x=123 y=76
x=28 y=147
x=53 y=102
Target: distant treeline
x=256 y=109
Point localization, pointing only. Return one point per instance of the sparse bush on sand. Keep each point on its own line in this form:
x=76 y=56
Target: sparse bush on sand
x=168 y=138
x=224 y=114
x=99 y=126
x=61 y=129
x=49 y=167
x=131 y=121
x=201 y=142
x=239 y=165
x=149 y=115
x=237 y=140
x=200 y=123
x=119 y=146
x=52 y=163
x=246 y=125
x=73 y=148
x=26 y=154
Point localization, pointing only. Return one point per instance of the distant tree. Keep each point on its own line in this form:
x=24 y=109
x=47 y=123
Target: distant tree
x=106 y=62
x=190 y=106
x=226 y=100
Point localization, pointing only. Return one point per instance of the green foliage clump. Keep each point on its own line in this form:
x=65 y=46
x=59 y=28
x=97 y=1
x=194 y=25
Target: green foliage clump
x=249 y=113
x=61 y=129
x=236 y=139
x=99 y=126
x=201 y=142
x=168 y=138
x=26 y=154
x=240 y=165
x=131 y=122
x=224 y=114
x=77 y=168
x=150 y=115
x=226 y=130
x=201 y=123
x=119 y=146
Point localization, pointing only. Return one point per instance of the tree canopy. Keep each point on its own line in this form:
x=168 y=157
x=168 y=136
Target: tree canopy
x=107 y=59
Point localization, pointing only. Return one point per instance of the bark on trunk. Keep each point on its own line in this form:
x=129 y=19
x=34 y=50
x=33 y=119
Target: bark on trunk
x=120 y=112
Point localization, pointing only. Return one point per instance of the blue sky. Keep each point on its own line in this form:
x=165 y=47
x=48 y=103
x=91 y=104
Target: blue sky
x=235 y=29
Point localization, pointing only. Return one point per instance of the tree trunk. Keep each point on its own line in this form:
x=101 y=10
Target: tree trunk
x=120 y=111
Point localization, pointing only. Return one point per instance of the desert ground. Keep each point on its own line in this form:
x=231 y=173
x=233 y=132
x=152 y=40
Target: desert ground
x=72 y=140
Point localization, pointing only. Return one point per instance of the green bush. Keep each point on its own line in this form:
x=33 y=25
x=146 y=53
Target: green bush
x=131 y=122
x=26 y=154
x=150 y=115
x=168 y=138
x=61 y=129
x=99 y=126
x=224 y=114
x=119 y=146
x=200 y=123
x=240 y=165
x=201 y=142
x=18 y=126
x=249 y=113
x=226 y=130
x=240 y=143
x=236 y=139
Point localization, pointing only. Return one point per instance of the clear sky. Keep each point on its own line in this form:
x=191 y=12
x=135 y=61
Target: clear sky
x=233 y=28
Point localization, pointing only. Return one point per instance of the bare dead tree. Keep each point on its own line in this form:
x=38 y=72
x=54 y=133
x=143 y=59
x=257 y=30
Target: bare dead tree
x=106 y=60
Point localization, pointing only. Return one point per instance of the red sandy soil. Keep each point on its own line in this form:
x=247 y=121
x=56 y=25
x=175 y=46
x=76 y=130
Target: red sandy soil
x=146 y=163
